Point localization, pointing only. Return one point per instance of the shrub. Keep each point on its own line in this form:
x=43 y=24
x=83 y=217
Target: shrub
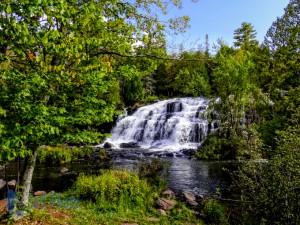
x=153 y=170
x=214 y=213
x=115 y=190
x=63 y=153
x=270 y=191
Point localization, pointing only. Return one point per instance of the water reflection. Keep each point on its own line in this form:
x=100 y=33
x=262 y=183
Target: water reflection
x=185 y=174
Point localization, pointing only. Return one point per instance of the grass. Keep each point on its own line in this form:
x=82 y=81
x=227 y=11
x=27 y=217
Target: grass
x=112 y=198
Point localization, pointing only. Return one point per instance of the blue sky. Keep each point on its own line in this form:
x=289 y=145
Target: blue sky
x=219 y=19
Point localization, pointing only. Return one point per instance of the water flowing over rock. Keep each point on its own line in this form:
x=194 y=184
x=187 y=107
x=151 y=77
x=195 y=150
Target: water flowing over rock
x=173 y=124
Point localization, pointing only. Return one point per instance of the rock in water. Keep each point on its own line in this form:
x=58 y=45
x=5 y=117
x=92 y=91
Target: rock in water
x=107 y=145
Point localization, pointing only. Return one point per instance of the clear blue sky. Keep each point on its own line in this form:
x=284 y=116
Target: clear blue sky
x=219 y=19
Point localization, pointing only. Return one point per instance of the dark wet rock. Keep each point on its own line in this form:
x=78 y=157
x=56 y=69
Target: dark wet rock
x=164 y=204
x=216 y=125
x=39 y=193
x=214 y=115
x=168 y=194
x=188 y=152
x=107 y=145
x=129 y=145
x=169 y=154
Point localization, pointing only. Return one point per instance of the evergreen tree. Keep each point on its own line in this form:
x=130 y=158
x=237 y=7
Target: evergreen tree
x=245 y=36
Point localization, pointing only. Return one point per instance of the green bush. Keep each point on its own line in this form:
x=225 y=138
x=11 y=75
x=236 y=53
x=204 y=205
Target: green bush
x=153 y=170
x=214 y=213
x=115 y=190
x=211 y=148
x=63 y=153
x=270 y=191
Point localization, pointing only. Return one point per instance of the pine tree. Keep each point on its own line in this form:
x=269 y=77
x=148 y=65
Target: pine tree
x=245 y=36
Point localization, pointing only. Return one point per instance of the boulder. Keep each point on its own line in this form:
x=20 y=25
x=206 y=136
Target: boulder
x=107 y=145
x=39 y=193
x=169 y=154
x=190 y=199
x=164 y=204
x=129 y=145
x=12 y=184
x=168 y=194
x=2 y=183
x=189 y=196
x=64 y=170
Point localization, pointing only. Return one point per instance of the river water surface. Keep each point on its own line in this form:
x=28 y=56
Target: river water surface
x=200 y=177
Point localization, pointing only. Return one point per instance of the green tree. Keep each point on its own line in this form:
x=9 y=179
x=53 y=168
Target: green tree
x=60 y=69
x=270 y=191
x=245 y=36
x=238 y=97
x=282 y=77
x=283 y=40
x=191 y=75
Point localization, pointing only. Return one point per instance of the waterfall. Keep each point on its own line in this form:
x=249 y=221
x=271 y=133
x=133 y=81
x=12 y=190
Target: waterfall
x=173 y=124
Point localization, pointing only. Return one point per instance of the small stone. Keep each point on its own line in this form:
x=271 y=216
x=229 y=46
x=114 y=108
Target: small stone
x=64 y=170
x=164 y=204
x=152 y=219
x=12 y=183
x=2 y=183
x=39 y=193
x=51 y=192
x=168 y=193
x=162 y=212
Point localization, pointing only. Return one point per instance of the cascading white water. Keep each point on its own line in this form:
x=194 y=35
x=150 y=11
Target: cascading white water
x=173 y=124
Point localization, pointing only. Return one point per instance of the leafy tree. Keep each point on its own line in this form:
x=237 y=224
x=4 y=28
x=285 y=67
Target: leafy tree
x=237 y=102
x=191 y=76
x=270 y=191
x=282 y=77
x=60 y=69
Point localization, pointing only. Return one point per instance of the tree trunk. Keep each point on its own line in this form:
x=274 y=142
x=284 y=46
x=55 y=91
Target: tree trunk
x=27 y=177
